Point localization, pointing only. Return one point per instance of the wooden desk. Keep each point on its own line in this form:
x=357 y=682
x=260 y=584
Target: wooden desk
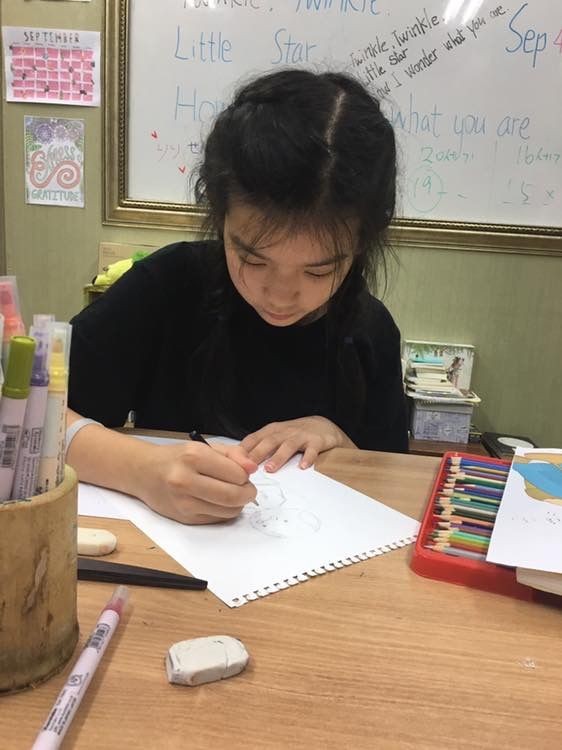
x=438 y=448
x=368 y=657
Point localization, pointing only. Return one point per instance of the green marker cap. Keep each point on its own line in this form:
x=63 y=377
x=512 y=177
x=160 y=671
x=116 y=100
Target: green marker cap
x=20 y=362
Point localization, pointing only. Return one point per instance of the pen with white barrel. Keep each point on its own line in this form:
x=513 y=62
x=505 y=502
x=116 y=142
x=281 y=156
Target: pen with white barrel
x=51 y=465
x=27 y=466
x=68 y=700
x=15 y=392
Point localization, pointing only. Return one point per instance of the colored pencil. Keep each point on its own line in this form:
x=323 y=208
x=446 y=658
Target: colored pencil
x=481 y=524
x=482 y=484
x=466 y=527
x=469 y=500
x=474 y=478
x=469 y=464
x=481 y=533
x=460 y=544
x=460 y=553
x=461 y=493
x=462 y=539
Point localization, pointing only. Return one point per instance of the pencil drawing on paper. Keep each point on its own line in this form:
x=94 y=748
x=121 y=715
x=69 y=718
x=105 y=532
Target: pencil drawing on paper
x=276 y=517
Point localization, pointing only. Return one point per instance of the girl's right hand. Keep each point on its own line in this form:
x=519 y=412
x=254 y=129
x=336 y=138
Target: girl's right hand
x=195 y=483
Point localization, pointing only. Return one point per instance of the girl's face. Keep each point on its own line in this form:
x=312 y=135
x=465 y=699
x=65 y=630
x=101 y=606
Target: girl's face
x=286 y=278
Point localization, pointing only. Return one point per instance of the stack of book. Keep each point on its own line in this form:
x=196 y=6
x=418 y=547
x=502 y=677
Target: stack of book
x=437 y=379
x=428 y=380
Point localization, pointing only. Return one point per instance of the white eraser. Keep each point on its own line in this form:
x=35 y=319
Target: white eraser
x=95 y=542
x=200 y=660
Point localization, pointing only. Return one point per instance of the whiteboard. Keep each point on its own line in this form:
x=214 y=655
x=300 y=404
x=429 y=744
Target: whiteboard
x=473 y=89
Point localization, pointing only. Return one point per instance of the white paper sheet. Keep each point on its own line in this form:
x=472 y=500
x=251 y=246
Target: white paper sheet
x=95 y=501
x=306 y=524
x=528 y=528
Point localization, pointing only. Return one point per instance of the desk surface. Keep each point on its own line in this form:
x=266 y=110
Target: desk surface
x=370 y=656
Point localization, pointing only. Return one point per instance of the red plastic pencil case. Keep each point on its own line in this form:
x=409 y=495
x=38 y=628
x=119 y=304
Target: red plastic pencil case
x=478 y=574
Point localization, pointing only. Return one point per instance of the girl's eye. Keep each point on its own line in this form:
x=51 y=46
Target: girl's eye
x=320 y=275
x=247 y=262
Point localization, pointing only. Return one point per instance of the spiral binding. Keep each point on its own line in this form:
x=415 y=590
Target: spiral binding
x=326 y=568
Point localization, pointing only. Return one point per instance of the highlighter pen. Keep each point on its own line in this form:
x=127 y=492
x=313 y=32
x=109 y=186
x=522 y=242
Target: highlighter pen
x=51 y=465
x=12 y=408
x=1 y=339
x=10 y=309
x=27 y=466
x=66 y=704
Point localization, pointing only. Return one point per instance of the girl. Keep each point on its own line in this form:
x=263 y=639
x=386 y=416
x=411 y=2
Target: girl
x=268 y=333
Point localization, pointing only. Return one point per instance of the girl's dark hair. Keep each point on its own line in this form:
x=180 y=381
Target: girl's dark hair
x=313 y=152
x=308 y=150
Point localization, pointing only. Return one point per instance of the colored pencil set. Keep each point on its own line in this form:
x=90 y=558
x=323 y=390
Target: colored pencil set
x=457 y=527
x=465 y=504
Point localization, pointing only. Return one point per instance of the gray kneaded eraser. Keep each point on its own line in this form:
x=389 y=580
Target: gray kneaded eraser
x=200 y=660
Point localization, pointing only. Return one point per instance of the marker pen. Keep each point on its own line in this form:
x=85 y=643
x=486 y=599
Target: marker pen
x=10 y=309
x=1 y=339
x=51 y=465
x=27 y=466
x=42 y=320
x=66 y=704
x=12 y=408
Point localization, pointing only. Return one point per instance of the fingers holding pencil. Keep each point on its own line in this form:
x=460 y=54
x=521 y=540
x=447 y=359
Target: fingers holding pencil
x=195 y=483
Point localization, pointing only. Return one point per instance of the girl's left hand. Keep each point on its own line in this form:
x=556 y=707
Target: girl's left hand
x=279 y=441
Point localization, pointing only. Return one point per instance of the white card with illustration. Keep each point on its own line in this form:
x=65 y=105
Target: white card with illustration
x=305 y=524
x=528 y=528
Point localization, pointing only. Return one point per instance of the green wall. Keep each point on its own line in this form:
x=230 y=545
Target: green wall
x=509 y=306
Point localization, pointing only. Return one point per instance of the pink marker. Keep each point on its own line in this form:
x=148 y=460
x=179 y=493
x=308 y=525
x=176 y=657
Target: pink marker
x=69 y=698
x=10 y=308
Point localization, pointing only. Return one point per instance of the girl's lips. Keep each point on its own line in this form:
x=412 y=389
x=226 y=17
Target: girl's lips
x=278 y=316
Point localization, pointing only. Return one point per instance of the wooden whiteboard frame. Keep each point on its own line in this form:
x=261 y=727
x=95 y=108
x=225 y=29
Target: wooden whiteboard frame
x=122 y=210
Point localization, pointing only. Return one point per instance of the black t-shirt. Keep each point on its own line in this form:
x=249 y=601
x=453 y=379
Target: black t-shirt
x=142 y=346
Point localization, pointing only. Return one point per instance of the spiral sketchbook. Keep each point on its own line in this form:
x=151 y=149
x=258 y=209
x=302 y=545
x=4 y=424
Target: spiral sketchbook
x=304 y=525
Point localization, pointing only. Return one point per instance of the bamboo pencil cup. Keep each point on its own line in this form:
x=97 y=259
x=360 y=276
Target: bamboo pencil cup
x=38 y=623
